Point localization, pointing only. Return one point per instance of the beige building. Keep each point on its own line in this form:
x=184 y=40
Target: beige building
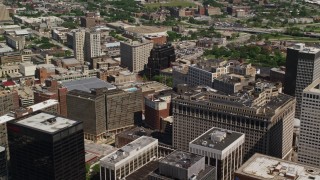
x=16 y=42
x=78 y=45
x=92 y=45
x=134 y=55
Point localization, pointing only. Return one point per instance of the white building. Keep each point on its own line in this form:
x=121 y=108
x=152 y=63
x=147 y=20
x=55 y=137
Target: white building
x=222 y=149
x=27 y=69
x=92 y=45
x=309 y=142
x=129 y=158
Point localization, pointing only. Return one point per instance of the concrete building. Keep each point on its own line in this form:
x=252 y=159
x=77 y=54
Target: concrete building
x=27 y=69
x=54 y=142
x=4 y=14
x=309 y=143
x=278 y=74
x=263 y=167
x=181 y=165
x=8 y=101
x=122 y=77
x=232 y=83
x=78 y=45
x=92 y=45
x=222 y=149
x=260 y=111
x=302 y=68
x=134 y=55
x=3 y=164
x=129 y=158
x=16 y=42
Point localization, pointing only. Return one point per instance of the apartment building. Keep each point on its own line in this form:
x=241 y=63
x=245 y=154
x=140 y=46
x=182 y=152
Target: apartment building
x=9 y=100
x=260 y=111
x=16 y=42
x=78 y=45
x=129 y=158
x=302 y=68
x=92 y=45
x=134 y=55
x=222 y=149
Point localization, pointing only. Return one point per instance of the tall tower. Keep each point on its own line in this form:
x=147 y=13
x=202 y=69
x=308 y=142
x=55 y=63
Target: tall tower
x=46 y=146
x=78 y=45
x=302 y=68
x=4 y=14
x=309 y=142
x=92 y=45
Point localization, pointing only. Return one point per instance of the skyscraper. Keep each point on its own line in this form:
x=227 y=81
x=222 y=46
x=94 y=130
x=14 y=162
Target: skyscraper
x=309 y=143
x=134 y=55
x=302 y=68
x=46 y=146
x=92 y=45
x=78 y=45
x=3 y=164
x=260 y=111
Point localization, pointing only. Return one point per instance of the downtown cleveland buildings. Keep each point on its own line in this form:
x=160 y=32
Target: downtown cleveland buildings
x=260 y=111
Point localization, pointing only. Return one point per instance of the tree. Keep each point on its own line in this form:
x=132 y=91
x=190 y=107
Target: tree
x=67 y=53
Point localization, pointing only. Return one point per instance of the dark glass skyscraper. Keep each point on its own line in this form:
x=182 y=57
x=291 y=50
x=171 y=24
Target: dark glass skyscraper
x=46 y=146
x=160 y=58
x=3 y=163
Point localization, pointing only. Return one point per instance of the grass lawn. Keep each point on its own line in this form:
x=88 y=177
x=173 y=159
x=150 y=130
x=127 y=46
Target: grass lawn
x=171 y=3
x=294 y=38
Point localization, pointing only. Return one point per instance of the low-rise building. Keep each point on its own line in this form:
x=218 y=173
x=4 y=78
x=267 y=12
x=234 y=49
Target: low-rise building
x=27 y=69
x=16 y=42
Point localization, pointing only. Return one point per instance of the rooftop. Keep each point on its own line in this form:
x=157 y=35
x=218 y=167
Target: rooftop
x=94 y=150
x=181 y=159
x=87 y=84
x=314 y=87
x=2 y=149
x=128 y=151
x=70 y=61
x=217 y=138
x=266 y=167
x=146 y=29
x=135 y=133
x=303 y=49
x=46 y=122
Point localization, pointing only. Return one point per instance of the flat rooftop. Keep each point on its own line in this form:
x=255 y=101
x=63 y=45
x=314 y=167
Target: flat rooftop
x=87 y=84
x=2 y=149
x=135 y=133
x=266 y=167
x=44 y=104
x=45 y=122
x=181 y=159
x=314 y=87
x=153 y=86
x=146 y=29
x=128 y=151
x=217 y=138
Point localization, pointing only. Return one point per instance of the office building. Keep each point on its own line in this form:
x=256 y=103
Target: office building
x=263 y=167
x=129 y=158
x=260 y=111
x=78 y=45
x=309 y=143
x=16 y=42
x=181 y=165
x=104 y=111
x=134 y=55
x=4 y=14
x=8 y=101
x=160 y=58
x=222 y=149
x=46 y=146
x=302 y=68
x=3 y=164
x=92 y=45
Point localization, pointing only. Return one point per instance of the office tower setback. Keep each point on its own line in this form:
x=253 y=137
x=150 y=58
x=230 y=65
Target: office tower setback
x=3 y=164
x=46 y=146
x=78 y=45
x=222 y=149
x=134 y=55
x=309 y=143
x=181 y=165
x=260 y=111
x=129 y=158
x=92 y=45
x=160 y=58
x=104 y=111
x=263 y=167
x=8 y=101
x=302 y=68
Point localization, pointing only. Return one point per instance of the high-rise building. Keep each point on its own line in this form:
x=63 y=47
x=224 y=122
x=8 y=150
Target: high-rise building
x=263 y=167
x=302 y=68
x=134 y=55
x=260 y=111
x=222 y=149
x=103 y=111
x=92 y=45
x=46 y=146
x=3 y=164
x=4 y=14
x=129 y=158
x=160 y=58
x=8 y=101
x=309 y=142
x=78 y=45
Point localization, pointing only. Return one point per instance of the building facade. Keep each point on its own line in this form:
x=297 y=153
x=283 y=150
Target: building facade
x=92 y=45
x=46 y=146
x=78 y=45
x=309 y=143
x=222 y=149
x=302 y=68
x=8 y=101
x=134 y=55
x=129 y=158
x=3 y=164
